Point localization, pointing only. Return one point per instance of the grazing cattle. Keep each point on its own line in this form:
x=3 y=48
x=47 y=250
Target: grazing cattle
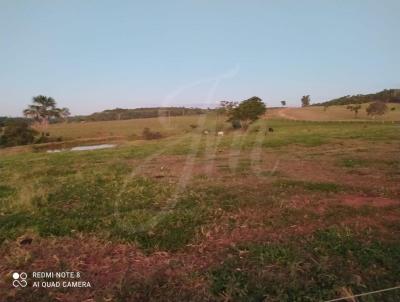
x=205 y=132
x=220 y=133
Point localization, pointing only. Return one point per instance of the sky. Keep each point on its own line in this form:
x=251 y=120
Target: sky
x=96 y=55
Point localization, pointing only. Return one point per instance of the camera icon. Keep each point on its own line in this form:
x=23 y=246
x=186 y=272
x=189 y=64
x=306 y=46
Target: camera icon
x=19 y=279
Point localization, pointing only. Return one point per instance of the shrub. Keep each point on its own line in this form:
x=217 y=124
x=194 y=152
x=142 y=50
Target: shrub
x=17 y=133
x=376 y=108
x=148 y=134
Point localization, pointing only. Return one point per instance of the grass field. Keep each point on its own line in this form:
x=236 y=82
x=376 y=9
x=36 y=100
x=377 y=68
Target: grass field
x=309 y=212
x=334 y=113
x=130 y=128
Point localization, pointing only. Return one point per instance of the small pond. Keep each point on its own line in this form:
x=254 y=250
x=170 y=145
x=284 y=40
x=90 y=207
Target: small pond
x=84 y=148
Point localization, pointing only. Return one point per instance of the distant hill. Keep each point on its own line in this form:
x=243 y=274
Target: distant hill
x=387 y=95
x=127 y=114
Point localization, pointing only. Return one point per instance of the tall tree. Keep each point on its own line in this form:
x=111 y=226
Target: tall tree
x=305 y=100
x=43 y=109
x=354 y=108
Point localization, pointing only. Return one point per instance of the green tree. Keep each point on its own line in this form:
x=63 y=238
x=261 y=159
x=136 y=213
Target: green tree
x=376 y=108
x=43 y=109
x=354 y=108
x=305 y=101
x=247 y=112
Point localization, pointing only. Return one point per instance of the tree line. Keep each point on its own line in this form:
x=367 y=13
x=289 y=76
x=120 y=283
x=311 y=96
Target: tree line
x=387 y=96
x=127 y=114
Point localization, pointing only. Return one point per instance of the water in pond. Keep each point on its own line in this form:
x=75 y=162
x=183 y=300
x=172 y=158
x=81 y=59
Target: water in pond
x=85 y=148
x=95 y=147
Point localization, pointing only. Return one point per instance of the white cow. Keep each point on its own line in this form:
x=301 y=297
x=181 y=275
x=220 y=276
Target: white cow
x=220 y=133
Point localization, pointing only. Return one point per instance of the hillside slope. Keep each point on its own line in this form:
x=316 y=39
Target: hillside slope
x=332 y=113
x=387 y=95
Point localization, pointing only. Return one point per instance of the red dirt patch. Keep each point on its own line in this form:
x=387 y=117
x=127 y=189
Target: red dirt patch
x=359 y=201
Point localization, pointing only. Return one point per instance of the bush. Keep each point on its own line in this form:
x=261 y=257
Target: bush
x=17 y=133
x=376 y=108
x=148 y=134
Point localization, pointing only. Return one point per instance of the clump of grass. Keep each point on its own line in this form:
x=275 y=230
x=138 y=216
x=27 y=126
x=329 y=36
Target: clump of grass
x=168 y=228
x=235 y=284
x=148 y=134
x=14 y=224
x=352 y=162
x=309 y=186
x=171 y=230
x=6 y=191
x=270 y=253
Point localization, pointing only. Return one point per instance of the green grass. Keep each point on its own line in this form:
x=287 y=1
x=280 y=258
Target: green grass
x=80 y=188
x=143 y=213
x=309 y=269
x=115 y=196
x=6 y=191
x=133 y=128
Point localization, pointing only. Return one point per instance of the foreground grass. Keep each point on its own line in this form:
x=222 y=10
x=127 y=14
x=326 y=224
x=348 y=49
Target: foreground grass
x=213 y=218
x=317 y=266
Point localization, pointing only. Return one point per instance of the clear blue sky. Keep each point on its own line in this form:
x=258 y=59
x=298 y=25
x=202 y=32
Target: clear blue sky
x=96 y=55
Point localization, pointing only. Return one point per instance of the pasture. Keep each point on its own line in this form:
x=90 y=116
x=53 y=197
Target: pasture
x=334 y=113
x=309 y=212
x=131 y=129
